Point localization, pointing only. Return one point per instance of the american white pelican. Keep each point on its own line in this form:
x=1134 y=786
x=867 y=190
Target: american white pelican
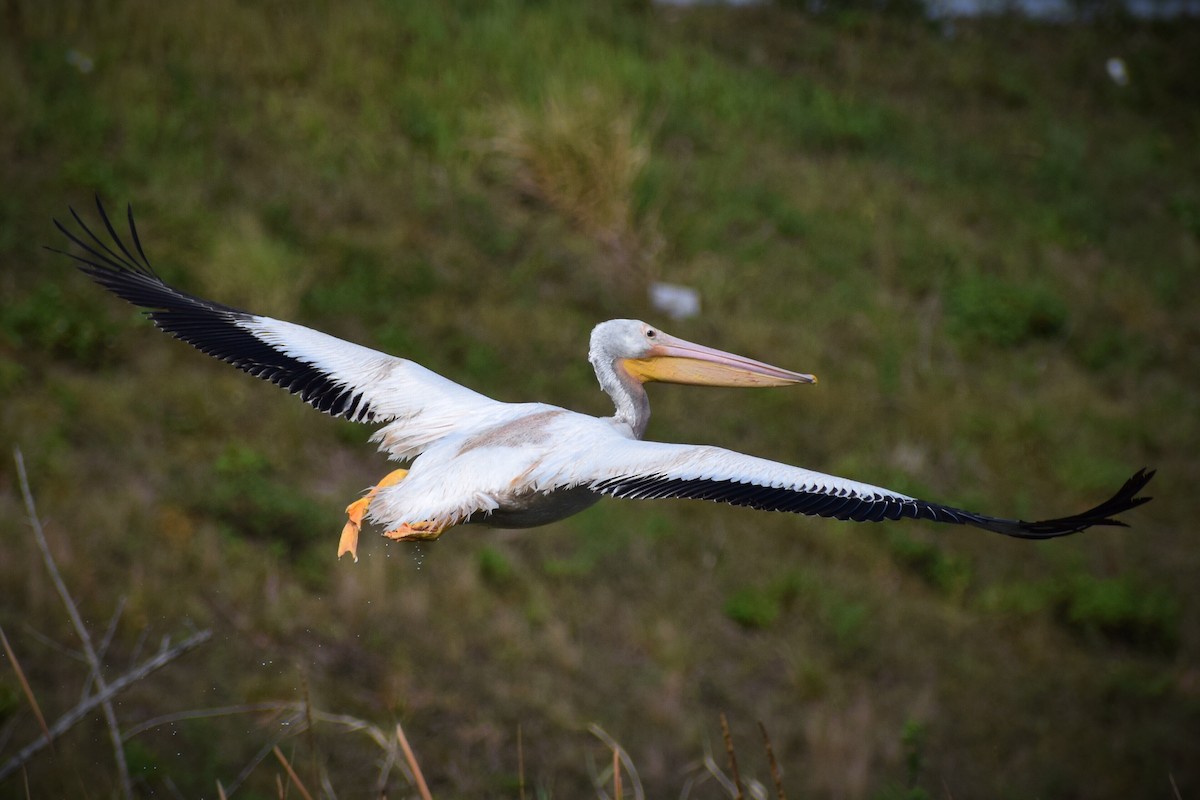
x=474 y=459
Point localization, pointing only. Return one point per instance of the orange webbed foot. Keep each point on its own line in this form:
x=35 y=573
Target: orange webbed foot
x=348 y=543
x=416 y=531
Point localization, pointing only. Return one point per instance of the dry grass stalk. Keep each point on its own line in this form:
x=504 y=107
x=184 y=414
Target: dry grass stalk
x=221 y=792
x=25 y=687
x=620 y=757
x=774 y=765
x=733 y=767
x=520 y=765
x=422 y=788
x=616 y=769
x=291 y=774
x=583 y=156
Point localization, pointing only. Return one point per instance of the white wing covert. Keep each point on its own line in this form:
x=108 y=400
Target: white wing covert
x=332 y=375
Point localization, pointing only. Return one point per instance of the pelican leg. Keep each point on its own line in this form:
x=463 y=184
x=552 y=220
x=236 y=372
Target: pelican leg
x=416 y=531
x=358 y=509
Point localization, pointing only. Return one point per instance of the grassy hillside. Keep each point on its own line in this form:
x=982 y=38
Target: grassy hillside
x=987 y=251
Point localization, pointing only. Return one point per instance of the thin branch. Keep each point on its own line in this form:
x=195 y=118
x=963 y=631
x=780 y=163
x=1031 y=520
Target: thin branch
x=181 y=716
x=72 y=717
x=137 y=646
x=25 y=687
x=102 y=650
x=422 y=788
x=110 y=716
x=62 y=650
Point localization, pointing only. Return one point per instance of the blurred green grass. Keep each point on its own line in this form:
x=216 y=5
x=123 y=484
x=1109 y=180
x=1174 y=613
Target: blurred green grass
x=987 y=252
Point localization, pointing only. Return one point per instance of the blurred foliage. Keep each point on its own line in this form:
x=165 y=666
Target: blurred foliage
x=1004 y=313
x=752 y=607
x=1120 y=610
x=946 y=573
x=245 y=493
x=986 y=249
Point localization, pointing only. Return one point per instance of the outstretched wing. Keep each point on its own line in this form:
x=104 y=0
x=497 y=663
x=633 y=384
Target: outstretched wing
x=652 y=470
x=332 y=375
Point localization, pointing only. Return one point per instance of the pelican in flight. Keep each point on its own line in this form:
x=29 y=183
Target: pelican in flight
x=472 y=459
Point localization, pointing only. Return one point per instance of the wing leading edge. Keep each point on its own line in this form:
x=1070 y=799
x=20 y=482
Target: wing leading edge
x=332 y=375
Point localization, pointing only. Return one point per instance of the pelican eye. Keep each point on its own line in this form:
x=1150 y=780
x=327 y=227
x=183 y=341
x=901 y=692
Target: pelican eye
x=651 y=333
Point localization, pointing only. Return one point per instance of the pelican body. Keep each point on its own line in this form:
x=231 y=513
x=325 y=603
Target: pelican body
x=472 y=459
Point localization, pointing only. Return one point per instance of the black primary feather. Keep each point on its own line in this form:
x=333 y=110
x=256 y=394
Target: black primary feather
x=871 y=508
x=210 y=327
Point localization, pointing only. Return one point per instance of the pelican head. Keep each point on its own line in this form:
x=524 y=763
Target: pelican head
x=647 y=353
x=627 y=353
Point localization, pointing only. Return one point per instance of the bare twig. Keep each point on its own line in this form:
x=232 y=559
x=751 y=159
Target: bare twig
x=422 y=788
x=105 y=642
x=733 y=767
x=69 y=719
x=292 y=773
x=25 y=687
x=137 y=646
x=110 y=716
x=772 y=762
x=62 y=650
x=1174 y=786
x=181 y=716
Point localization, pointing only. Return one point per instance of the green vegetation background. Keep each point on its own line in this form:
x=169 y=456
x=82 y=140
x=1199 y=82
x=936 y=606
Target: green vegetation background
x=987 y=250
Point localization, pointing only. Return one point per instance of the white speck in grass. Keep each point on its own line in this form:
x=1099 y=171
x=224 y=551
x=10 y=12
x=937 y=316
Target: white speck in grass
x=1117 y=71
x=677 y=302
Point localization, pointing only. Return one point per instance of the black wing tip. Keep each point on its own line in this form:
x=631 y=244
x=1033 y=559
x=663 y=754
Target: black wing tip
x=1104 y=514
x=99 y=257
